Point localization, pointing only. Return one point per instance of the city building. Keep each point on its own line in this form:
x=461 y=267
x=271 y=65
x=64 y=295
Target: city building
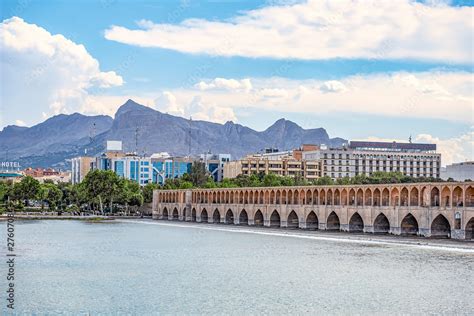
x=80 y=166
x=358 y=158
x=461 y=171
x=167 y=167
x=215 y=164
x=285 y=163
x=50 y=174
x=364 y=158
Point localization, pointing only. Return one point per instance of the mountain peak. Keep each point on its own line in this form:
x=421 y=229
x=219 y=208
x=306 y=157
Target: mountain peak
x=131 y=105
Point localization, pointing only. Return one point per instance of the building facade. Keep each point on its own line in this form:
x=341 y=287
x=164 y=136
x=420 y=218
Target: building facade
x=458 y=171
x=80 y=166
x=365 y=158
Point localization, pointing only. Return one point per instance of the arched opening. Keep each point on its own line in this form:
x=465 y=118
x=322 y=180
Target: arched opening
x=184 y=214
x=457 y=197
x=337 y=197
x=243 y=218
x=385 y=197
x=368 y=197
x=165 y=213
x=409 y=225
x=216 y=217
x=175 y=214
x=377 y=199
x=204 y=216
x=434 y=197
x=258 y=219
x=229 y=217
x=356 y=224
x=333 y=222
x=352 y=199
x=469 y=196
x=275 y=219
x=293 y=221
x=344 y=197
x=404 y=197
x=469 y=231
x=329 y=198
x=414 y=197
x=440 y=227
x=312 y=222
x=360 y=197
x=309 y=198
x=322 y=198
x=445 y=197
x=193 y=215
x=381 y=224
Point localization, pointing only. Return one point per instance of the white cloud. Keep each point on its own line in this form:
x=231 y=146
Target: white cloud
x=455 y=149
x=321 y=29
x=57 y=72
x=20 y=123
x=166 y=102
x=225 y=84
x=332 y=86
x=430 y=95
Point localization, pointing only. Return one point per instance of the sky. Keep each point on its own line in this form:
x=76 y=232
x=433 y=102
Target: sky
x=373 y=70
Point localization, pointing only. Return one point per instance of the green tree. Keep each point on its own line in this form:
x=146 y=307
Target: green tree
x=198 y=175
x=102 y=186
x=27 y=189
x=148 y=192
x=53 y=196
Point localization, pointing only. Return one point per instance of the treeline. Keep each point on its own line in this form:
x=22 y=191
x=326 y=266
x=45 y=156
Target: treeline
x=102 y=191
x=199 y=178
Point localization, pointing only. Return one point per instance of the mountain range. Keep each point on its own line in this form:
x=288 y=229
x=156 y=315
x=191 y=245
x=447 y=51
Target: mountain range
x=53 y=142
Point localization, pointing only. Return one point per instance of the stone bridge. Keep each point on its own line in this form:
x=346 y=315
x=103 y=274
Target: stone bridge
x=440 y=209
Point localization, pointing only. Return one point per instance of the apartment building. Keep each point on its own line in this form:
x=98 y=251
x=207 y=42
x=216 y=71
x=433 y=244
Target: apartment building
x=80 y=166
x=365 y=158
x=286 y=163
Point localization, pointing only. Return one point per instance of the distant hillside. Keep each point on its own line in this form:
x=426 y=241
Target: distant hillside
x=61 y=137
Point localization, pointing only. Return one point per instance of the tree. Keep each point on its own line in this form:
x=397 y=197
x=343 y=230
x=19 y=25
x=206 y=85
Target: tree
x=147 y=191
x=198 y=175
x=54 y=195
x=102 y=186
x=27 y=189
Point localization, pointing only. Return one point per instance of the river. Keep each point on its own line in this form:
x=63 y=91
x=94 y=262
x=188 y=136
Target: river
x=143 y=267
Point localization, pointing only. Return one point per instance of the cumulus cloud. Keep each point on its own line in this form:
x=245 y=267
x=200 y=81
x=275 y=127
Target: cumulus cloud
x=166 y=102
x=321 y=29
x=435 y=95
x=225 y=84
x=20 y=123
x=58 y=72
x=454 y=149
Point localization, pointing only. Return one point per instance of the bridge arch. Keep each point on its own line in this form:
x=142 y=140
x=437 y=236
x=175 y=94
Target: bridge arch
x=322 y=197
x=409 y=225
x=175 y=214
x=275 y=219
x=457 y=196
x=204 y=216
x=216 y=216
x=377 y=197
x=414 y=197
x=385 y=197
x=193 y=215
x=165 y=213
x=332 y=222
x=184 y=213
x=337 y=197
x=344 y=197
x=469 y=231
x=381 y=224
x=292 y=221
x=356 y=224
x=312 y=222
x=229 y=217
x=243 y=218
x=404 y=197
x=440 y=227
x=445 y=197
x=368 y=197
x=360 y=197
x=434 y=197
x=258 y=218
x=469 y=196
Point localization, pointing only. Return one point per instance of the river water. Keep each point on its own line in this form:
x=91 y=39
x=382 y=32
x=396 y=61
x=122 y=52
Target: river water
x=148 y=267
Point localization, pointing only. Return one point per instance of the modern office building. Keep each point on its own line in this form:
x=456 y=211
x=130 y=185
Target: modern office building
x=215 y=164
x=364 y=158
x=167 y=167
x=461 y=171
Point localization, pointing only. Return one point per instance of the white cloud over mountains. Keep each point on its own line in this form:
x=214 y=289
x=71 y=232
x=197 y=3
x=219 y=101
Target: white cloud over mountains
x=321 y=29
x=42 y=70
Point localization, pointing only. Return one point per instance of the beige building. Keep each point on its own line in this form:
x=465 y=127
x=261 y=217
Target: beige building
x=288 y=163
x=80 y=166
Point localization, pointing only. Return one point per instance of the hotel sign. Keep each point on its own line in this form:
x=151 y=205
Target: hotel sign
x=9 y=164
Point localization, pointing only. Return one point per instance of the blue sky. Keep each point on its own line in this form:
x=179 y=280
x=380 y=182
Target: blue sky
x=406 y=69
